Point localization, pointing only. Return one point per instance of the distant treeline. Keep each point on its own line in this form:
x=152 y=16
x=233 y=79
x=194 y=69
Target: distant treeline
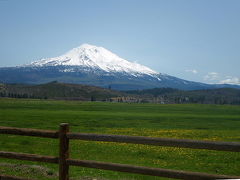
x=63 y=91
x=207 y=96
x=16 y=95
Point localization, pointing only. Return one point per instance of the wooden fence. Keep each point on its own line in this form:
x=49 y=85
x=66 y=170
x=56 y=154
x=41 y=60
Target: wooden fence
x=65 y=161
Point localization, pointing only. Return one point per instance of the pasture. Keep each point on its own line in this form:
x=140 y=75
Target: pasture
x=194 y=121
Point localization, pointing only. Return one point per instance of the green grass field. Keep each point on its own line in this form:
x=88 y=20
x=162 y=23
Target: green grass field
x=200 y=122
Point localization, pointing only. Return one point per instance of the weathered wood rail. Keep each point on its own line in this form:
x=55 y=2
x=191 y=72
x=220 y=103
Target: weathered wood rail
x=65 y=161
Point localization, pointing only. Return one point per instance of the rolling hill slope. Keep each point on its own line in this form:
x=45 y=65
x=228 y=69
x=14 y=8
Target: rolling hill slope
x=55 y=90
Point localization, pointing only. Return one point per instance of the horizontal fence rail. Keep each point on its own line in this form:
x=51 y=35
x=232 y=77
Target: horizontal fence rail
x=183 y=143
x=28 y=157
x=147 y=171
x=29 y=132
x=64 y=161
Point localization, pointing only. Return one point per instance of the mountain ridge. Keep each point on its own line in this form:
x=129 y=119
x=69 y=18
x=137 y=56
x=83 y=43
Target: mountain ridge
x=92 y=65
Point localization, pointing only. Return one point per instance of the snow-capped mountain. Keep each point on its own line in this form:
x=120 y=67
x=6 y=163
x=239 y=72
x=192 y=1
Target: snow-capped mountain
x=92 y=65
x=90 y=56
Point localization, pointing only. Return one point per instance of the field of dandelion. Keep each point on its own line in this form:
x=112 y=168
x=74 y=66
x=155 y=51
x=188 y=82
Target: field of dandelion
x=200 y=122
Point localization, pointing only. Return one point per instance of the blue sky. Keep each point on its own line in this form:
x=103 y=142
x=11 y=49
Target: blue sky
x=194 y=40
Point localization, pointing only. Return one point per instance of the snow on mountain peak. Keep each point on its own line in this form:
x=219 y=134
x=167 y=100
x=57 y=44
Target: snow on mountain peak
x=92 y=56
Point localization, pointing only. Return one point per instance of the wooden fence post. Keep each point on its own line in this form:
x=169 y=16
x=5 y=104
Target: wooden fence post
x=63 y=151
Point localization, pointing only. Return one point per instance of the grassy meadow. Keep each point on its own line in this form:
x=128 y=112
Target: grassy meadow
x=194 y=121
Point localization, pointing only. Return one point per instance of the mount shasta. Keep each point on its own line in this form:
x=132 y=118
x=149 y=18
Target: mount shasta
x=97 y=66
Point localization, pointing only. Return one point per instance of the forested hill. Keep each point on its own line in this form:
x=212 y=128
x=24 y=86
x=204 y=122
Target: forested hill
x=56 y=90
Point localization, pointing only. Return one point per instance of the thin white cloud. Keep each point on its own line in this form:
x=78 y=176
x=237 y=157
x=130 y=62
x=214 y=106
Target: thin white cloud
x=194 y=71
x=211 y=76
x=230 y=80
